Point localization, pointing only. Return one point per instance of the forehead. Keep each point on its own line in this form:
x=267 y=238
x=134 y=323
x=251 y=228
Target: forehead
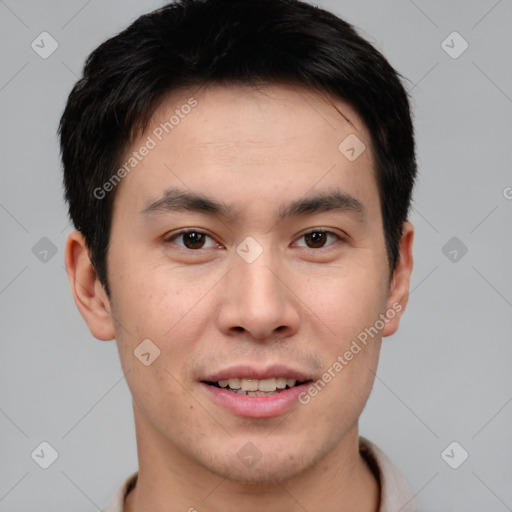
x=241 y=114
x=248 y=143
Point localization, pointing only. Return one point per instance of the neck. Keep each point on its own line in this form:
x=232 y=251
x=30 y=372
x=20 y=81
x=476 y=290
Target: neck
x=340 y=482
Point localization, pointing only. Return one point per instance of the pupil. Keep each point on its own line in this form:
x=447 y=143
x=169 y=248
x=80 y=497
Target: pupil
x=316 y=238
x=194 y=238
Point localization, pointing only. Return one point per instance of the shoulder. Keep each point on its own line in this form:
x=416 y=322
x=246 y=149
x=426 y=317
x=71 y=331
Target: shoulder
x=395 y=491
x=116 y=502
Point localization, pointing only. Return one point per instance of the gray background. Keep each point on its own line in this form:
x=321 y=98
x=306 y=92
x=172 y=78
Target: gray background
x=445 y=376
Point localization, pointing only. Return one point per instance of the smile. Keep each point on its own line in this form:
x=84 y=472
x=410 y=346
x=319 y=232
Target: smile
x=256 y=387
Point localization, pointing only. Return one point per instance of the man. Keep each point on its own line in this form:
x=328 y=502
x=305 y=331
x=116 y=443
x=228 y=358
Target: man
x=239 y=173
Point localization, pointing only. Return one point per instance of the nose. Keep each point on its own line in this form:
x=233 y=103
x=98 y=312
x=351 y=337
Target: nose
x=258 y=301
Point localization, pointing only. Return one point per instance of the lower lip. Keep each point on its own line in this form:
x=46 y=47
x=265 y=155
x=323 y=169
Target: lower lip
x=256 y=406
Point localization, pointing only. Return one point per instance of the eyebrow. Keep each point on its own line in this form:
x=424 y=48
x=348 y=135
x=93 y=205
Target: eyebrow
x=176 y=200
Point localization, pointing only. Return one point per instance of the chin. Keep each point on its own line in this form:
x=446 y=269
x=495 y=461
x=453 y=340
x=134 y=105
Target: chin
x=271 y=469
x=261 y=478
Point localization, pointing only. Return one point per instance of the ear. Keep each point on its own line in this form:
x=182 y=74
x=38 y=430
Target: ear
x=399 y=288
x=89 y=294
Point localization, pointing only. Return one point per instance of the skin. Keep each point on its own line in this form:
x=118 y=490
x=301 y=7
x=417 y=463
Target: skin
x=208 y=309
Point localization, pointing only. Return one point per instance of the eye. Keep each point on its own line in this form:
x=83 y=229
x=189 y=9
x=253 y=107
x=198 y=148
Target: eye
x=317 y=239
x=193 y=239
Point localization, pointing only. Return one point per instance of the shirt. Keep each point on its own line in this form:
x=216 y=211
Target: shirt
x=395 y=494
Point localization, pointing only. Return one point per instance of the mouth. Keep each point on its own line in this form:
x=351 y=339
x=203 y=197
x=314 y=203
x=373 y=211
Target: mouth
x=250 y=393
x=256 y=387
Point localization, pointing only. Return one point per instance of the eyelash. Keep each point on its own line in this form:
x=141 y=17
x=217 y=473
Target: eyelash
x=174 y=236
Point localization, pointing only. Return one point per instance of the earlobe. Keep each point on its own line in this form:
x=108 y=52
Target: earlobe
x=88 y=293
x=399 y=289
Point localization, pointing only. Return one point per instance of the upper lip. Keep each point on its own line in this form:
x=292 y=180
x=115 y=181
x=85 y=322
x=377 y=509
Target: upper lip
x=252 y=372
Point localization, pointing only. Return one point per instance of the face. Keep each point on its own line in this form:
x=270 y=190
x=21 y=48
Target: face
x=268 y=280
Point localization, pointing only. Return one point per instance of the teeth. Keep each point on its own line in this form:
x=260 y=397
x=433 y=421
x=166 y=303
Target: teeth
x=267 y=385
x=280 y=383
x=257 y=387
x=249 y=385
x=234 y=383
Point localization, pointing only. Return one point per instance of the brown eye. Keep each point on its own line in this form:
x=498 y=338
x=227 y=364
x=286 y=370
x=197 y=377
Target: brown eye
x=318 y=239
x=191 y=239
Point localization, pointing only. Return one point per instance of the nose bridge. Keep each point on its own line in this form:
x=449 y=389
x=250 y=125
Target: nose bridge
x=260 y=286
x=256 y=297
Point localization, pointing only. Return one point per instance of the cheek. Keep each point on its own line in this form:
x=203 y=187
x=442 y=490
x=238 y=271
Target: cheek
x=162 y=301
x=162 y=309
x=347 y=303
x=350 y=304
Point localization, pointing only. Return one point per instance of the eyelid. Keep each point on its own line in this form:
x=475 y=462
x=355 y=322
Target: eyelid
x=176 y=234
x=341 y=238
x=170 y=237
x=173 y=234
